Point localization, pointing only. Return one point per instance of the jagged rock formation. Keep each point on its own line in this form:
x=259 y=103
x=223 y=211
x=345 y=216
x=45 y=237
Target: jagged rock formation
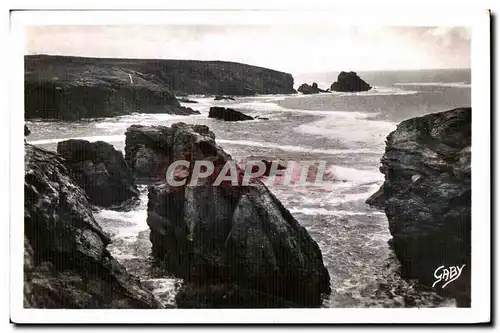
x=219 y=237
x=66 y=264
x=227 y=114
x=100 y=170
x=26 y=131
x=349 y=82
x=185 y=100
x=307 y=89
x=427 y=197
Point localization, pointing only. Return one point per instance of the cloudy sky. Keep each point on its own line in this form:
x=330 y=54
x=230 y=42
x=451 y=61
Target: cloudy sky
x=292 y=48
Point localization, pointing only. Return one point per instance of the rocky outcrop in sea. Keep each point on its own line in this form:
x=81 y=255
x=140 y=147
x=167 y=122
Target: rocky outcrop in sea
x=100 y=170
x=234 y=246
x=427 y=197
x=349 y=82
x=66 y=263
x=223 y=98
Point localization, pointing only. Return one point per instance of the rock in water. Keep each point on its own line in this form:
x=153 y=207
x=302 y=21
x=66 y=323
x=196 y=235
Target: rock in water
x=149 y=150
x=427 y=194
x=349 y=82
x=66 y=264
x=100 y=170
x=26 y=131
x=227 y=114
x=307 y=89
x=232 y=235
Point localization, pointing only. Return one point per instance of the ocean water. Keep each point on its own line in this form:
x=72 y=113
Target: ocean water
x=346 y=130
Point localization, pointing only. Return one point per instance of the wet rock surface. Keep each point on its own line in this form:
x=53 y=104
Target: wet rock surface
x=427 y=197
x=349 y=82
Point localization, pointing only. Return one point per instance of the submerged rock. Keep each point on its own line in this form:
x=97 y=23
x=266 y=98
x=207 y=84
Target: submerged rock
x=149 y=150
x=100 y=170
x=427 y=197
x=307 y=89
x=232 y=235
x=66 y=263
x=349 y=82
x=227 y=114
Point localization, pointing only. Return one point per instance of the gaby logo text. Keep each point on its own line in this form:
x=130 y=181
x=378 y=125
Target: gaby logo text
x=447 y=275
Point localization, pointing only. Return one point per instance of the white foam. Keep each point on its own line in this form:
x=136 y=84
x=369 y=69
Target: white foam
x=436 y=84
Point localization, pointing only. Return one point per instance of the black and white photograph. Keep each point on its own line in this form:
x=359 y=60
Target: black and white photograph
x=246 y=168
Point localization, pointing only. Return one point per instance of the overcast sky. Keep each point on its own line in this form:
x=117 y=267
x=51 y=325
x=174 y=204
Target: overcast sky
x=293 y=48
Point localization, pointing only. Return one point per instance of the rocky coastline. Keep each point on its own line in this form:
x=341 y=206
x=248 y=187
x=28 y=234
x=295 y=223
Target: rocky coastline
x=72 y=88
x=66 y=263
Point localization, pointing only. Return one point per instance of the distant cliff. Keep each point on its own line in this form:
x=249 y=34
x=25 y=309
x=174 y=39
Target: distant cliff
x=73 y=87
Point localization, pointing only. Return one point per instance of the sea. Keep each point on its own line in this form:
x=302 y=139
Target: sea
x=346 y=130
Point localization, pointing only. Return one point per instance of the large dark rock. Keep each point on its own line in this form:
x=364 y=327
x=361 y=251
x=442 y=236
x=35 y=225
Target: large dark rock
x=427 y=196
x=26 y=131
x=349 y=82
x=227 y=114
x=226 y=296
x=62 y=87
x=307 y=89
x=71 y=88
x=149 y=150
x=66 y=264
x=233 y=235
x=100 y=170
x=222 y=98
